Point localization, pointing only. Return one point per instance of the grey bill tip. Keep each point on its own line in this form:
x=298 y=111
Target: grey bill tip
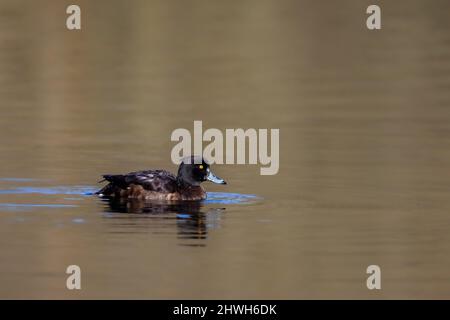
x=213 y=178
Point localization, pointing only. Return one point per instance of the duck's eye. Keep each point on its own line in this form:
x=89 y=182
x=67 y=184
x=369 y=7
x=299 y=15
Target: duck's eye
x=200 y=167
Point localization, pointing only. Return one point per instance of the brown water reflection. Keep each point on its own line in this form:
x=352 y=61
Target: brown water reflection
x=364 y=123
x=191 y=219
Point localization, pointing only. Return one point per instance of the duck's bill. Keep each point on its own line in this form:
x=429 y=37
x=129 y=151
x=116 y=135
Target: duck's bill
x=213 y=178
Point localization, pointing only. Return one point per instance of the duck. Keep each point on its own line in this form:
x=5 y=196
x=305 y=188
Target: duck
x=161 y=184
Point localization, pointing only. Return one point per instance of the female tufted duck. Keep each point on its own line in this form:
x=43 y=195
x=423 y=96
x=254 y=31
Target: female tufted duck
x=161 y=184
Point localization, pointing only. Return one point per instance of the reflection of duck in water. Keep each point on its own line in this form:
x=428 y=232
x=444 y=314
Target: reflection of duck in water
x=191 y=220
x=124 y=205
x=161 y=184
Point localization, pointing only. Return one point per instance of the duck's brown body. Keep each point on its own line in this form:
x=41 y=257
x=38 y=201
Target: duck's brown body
x=139 y=192
x=151 y=185
x=161 y=184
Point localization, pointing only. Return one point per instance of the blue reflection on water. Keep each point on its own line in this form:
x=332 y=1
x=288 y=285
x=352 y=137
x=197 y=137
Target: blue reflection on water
x=36 y=205
x=17 y=179
x=230 y=198
x=75 y=190
x=212 y=197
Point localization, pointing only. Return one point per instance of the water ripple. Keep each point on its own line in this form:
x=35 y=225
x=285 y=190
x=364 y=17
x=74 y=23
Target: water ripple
x=223 y=198
x=75 y=190
x=230 y=198
x=213 y=197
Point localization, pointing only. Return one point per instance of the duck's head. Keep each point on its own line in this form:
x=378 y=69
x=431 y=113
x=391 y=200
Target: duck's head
x=194 y=170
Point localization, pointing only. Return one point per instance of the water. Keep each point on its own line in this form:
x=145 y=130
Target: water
x=364 y=148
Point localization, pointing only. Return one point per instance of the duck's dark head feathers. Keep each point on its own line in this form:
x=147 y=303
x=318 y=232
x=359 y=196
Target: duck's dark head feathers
x=194 y=170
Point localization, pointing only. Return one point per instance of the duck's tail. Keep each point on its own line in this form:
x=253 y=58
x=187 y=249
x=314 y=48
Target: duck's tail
x=113 y=187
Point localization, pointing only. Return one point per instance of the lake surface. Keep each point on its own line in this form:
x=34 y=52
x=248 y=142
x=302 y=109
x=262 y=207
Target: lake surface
x=364 y=119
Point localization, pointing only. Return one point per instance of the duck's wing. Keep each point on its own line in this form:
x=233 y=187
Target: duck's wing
x=152 y=180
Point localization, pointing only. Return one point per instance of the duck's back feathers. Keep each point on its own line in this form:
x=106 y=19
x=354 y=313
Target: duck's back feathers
x=158 y=181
